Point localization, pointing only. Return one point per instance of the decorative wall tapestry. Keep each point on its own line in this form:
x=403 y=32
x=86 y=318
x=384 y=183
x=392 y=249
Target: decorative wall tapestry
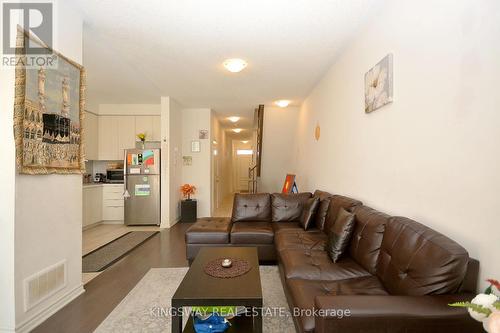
x=378 y=85
x=48 y=114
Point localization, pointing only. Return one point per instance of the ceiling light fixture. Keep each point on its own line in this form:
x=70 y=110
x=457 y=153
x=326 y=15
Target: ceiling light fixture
x=244 y=141
x=233 y=119
x=282 y=103
x=237 y=130
x=235 y=65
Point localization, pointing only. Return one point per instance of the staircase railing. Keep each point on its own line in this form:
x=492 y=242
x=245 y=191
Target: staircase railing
x=252 y=179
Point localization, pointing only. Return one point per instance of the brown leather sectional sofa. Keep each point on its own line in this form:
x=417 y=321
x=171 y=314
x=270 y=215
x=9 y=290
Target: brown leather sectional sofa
x=397 y=275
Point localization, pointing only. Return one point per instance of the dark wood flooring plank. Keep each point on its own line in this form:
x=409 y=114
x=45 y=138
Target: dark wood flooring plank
x=105 y=292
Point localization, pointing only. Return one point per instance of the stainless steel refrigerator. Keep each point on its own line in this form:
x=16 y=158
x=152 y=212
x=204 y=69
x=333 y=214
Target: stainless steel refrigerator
x=142 y=186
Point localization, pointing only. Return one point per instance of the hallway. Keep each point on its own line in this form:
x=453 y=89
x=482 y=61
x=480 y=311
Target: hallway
x=225 y=208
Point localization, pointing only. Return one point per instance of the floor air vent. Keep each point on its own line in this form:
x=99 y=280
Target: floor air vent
x=44 y=284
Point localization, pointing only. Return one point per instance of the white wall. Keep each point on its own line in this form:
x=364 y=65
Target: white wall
x=226 y=156
x=7 y=204
x=48 y=209
x=171 y=146
x=216 y=144
x=199 y=173
x=130 y=109
x=278 y=137
x=433 y=154
x=175 y=160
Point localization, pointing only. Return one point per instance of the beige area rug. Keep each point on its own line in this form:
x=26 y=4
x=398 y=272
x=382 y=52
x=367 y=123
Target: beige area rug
x=139 y=310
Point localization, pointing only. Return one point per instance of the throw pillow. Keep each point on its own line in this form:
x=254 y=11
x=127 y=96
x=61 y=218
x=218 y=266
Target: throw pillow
x=340 y=234
x=321 y=214
x=308 y=212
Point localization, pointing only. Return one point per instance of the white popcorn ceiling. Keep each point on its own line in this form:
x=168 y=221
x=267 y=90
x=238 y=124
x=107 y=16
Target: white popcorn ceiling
x=136 y=50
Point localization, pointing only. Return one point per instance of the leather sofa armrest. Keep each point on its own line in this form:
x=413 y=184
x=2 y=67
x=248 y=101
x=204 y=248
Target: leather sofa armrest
x=359 y=313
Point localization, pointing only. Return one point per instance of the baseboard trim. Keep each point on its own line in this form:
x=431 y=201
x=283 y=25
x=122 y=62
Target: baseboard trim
x=112 y=222
x=38 y=318
x=90 y=226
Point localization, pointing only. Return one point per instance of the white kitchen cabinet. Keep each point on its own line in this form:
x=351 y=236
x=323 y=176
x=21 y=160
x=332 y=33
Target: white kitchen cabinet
x=116 y=133
x=92 y=205
x=108 y=138
x=151 y=125
x=126 y=134
x=156 y=129
x=112 y=202
x=91 y=135
x=144 y=124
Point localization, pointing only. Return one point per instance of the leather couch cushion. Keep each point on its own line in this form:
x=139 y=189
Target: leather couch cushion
x=309 y=212
x=416 y=260
x=303 y=293
x=367 y=237
x=279 y=227
x=337 y=202
x=324 y=204
x=251 y=207
x=211 y=230
x=340 y=234
x=305 y=240
x=252 y=233
x=317 y=265
x=288 y=207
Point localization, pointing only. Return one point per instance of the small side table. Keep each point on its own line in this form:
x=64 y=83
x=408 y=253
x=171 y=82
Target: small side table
x=188 y=210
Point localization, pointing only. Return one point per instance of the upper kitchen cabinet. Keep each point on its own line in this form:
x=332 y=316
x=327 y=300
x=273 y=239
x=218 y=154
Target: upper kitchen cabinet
x=126 y=134
x=90 y=135
x=151 y=125
x=108 y=138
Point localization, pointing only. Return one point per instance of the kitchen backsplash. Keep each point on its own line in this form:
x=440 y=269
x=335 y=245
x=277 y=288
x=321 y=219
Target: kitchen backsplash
x=94 y=167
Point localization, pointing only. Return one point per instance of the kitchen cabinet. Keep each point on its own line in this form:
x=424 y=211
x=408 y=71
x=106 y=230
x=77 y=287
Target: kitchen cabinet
x=91 y=135
x=108 y=138
x=151 y=125
x=113 y=202
x=126 y=134
x=116 y=133
x=92 y=205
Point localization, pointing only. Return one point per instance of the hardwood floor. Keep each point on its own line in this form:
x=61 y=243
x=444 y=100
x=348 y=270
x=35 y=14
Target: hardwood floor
x=102 y=234
x=105 y=291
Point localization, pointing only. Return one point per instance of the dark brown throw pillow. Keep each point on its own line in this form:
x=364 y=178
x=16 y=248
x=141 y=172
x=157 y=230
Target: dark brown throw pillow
x=308 y=212
x=321 y=214
x=340 y=234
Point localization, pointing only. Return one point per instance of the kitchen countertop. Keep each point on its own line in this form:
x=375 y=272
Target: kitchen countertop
x=89 y=185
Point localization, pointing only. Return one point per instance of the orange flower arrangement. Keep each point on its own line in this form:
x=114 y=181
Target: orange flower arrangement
x=187 y=190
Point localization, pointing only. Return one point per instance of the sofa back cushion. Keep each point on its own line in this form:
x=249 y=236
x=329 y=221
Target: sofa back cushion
x=416 y=260
x=337 y=202
x=288 y=207
x=367 y=237
x=251 y=207
x=324 y=204
x=340 y=234
x=309 y=212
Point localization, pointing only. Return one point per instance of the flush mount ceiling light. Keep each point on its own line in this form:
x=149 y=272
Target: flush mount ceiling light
x=235 y=65
x=237 y=130
x=233 y=119
x=244 y=141
x=282 y=103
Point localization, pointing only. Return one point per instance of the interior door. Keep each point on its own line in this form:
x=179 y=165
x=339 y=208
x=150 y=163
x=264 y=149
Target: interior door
x=243 y=163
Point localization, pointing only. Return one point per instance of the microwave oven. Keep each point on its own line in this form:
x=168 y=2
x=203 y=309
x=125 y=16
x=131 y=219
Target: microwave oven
x=114 y=175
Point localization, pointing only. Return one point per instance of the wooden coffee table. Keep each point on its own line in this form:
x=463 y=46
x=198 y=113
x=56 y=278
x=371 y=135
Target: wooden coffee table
x=200 y=289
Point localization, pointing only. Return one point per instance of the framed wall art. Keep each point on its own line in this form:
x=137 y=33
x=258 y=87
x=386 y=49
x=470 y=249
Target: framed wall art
x=379 y=85
x=48 y=113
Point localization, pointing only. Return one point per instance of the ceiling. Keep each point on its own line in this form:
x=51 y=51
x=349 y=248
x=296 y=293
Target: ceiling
x=136 y=51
